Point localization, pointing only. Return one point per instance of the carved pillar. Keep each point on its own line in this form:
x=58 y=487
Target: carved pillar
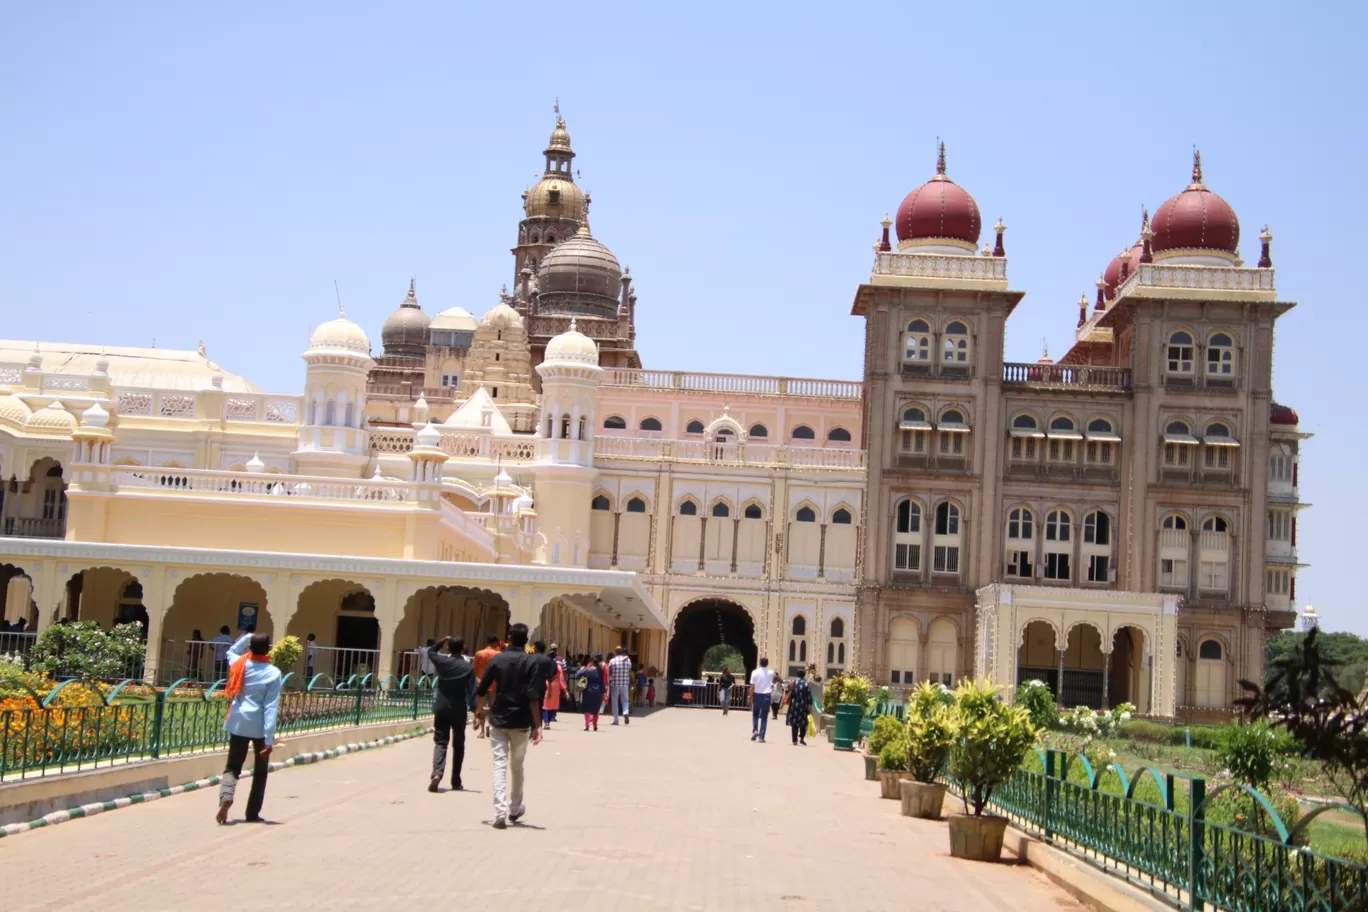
x=1106 y=680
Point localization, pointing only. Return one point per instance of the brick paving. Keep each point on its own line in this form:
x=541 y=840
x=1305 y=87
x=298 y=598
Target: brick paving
x=679 y=811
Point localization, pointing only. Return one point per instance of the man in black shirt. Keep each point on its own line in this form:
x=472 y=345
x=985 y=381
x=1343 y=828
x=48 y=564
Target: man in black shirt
x=724 y=684
x=454 y=698
x=519 y=682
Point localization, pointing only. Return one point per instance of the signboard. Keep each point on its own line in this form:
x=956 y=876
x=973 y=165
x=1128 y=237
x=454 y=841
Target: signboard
x=247 y=615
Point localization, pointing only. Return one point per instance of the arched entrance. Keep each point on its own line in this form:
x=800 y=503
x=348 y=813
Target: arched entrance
x=1127 y=680
x=434 y=612
x=20 y=612
x=341 y=615
x=701 y=625
x=201 y=606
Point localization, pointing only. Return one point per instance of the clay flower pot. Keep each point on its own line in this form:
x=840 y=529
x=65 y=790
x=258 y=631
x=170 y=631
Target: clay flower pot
x=977 y=838
x=871 y=767
x=922 y=799
x=889 y=781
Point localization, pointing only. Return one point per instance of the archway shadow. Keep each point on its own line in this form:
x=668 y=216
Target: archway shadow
x=702 y=625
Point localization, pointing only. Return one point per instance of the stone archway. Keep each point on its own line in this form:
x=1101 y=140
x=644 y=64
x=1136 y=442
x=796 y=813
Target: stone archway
x=434 y=612
x=1128 y=681
x=105 y=595
x=340 y=613
x=203 y=604
x=16 y=604
x=705 y=623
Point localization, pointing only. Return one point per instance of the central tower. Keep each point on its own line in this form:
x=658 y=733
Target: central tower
x=553 y=208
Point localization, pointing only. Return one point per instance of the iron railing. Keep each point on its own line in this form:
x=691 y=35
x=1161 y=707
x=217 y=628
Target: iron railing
x=1170 y=847
x=131 y=722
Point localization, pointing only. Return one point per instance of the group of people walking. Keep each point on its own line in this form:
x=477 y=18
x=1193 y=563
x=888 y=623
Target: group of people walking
x=770 y=694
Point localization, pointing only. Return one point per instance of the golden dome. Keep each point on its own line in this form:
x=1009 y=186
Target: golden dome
x=560 y=138
x=555 y=196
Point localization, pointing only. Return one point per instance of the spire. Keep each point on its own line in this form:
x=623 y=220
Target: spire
x=572 y=325
x=1101 y=294
x=1082 y=309
x=1196 y=170
x=1266 y=241
x=1146 y=236
x=998 y=250
x=1125 y=266
x=940 y=161
x=412 y=299
x=884 y=244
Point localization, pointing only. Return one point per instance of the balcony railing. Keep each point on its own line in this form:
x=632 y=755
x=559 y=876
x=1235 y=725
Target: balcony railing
x=1199 y=278
x=1067 y=376
x=742 y=384
x=738 y=454
x=21 y=527
x=251 y=484
x=519 y=448
x=941 y=266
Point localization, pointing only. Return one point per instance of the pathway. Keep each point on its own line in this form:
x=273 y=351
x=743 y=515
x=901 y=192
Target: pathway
x=679 y=811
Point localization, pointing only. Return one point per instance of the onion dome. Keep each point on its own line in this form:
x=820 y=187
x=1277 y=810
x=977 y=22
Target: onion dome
x=1282 y=414
x=1112 y=275
x=1196 y=219
x=14 y=409
x=456 y=319
x=555 y=196
x=255 y=465
x=560 y=137
x=522 y=502
x=503 y=479
x=94 y=417
x=428 y=436
x=939 y=210
x=572 y=346
x=579 y=276
x=342 y=335
x=53 y=418
x=405 y=333
x=502 y=316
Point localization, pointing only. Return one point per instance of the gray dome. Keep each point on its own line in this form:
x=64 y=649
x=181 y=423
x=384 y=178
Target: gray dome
x=579 y=276
x=405 y=333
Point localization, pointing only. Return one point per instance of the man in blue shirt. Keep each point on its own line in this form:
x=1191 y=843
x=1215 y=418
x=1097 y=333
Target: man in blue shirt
x=254 y=691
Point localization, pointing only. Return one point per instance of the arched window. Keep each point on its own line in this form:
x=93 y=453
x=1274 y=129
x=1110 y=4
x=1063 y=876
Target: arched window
x=759 y=432
x=803 y=432
x=1057 y=551
x=841 y=517
x=799 y=627
x=917 y=342
x=694 y=427
x=600 y=503
x=914 y=428
x=907 y=536
x=1025 y=423
x=840 y=435
x=1025 y=432
x=1101 y=439
x=1220 y=356
x=653 y=424
x=1020 y=552
x=615 y=423
x=1063 y=434
x=1057 y=526
x=330 y=413
x=915 y=416
x=1215 y=524
x=1178 y=441
x=1062 y=423
x=945 y=555
x=688 y=508
x=951 y=430
x=955 y=346
x=1219 y=446
x=725 y=432
x=133 y=590
x=351 y=414
x=1097 y=528
x=565 y=426
x=1210 y=649
x=805 y=514
x=1175 y=522
x=837 y=628
x=721 y=510
x=752 y=511
x=636 y=505
x=1097 y=546
x=1180 y=353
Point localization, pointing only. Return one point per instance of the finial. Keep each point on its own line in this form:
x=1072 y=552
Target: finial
x=557 y=107
x=572 y=325
x=1125 y=265
x=885 y=244
x=1265 y=241
x=202 y=352
x=940 y=157
x=998 y=249
x=1045 y=345
x=1146 y=236
x=1144 y=219
x=341 y=311
x=1101 y=294
x=412 y=293
x=1196 y=166
x=1082 y=309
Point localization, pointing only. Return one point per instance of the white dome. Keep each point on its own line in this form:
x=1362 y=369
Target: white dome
x=522 y=502
x=255 y=464
x=95 y=417
x=572 y=345
x=428 y=436
x=454 y=318
x=12 y=408
x=341 y=334
x=503 y=479
x=502 y=316
x=52 y=418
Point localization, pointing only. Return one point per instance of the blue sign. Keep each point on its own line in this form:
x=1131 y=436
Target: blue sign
x=247 y=616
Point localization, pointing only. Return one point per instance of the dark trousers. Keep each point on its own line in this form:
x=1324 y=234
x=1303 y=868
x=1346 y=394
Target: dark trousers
x=237 y=755
x=448 y=728
x=799 y=730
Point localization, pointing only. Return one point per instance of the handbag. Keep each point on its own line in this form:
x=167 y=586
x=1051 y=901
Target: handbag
x=581 y=685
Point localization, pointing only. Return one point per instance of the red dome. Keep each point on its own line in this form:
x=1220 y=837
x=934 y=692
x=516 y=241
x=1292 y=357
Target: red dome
x=1196 y=218
x=939 y=208
x=1282 y=414
x=1113 y=274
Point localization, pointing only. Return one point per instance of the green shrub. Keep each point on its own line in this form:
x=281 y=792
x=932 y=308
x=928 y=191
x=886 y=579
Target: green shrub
x=1253 y=753
x=1151 y=732
x=930 y=736
x=285 y=653
x=886 y=729
x=1035 y=696
x=831 y=694
x=856 y=690
x=82 y=650
x=991 y=740
x=894 y=755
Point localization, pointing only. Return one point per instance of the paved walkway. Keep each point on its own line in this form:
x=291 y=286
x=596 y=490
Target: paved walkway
x=679 y=811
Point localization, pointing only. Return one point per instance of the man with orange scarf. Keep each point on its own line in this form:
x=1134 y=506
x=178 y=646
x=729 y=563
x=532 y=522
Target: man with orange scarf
x=254 y=694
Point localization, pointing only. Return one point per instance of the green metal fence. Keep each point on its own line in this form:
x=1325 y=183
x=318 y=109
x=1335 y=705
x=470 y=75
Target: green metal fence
x=55 y=739
x=1173 y=849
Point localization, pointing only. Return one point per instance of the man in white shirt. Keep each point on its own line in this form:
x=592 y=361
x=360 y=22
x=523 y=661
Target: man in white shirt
x=221 y=644
x=762 y=691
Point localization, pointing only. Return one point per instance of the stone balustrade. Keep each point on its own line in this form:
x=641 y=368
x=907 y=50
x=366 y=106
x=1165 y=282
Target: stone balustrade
x=175 y=481
x=1199 y=278
x=911 y=264
x=741 y=384
x=1066 y=376
x=705 y=452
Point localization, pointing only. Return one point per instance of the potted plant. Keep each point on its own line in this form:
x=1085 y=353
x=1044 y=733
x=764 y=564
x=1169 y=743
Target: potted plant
x=857 y=698
x=893 y=768
x=831 y=695
x=930 y=733
x=886 y=729
x=991 y=740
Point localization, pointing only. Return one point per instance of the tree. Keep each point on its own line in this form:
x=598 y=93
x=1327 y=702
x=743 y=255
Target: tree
x=1347 y=651
x=723 y=657
x=1329 y=721
x=82 y=650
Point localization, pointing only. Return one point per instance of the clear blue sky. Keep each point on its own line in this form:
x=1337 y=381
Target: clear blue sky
x=205 y=171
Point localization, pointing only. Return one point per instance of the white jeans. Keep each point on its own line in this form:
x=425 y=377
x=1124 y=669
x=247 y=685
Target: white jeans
x=510 y=747
x=619 y=695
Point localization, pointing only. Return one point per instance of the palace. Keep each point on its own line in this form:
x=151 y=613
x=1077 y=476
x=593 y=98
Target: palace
x=1120 y=523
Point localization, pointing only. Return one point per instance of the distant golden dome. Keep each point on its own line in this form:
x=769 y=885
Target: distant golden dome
x=555 y=196
x=560 y=138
